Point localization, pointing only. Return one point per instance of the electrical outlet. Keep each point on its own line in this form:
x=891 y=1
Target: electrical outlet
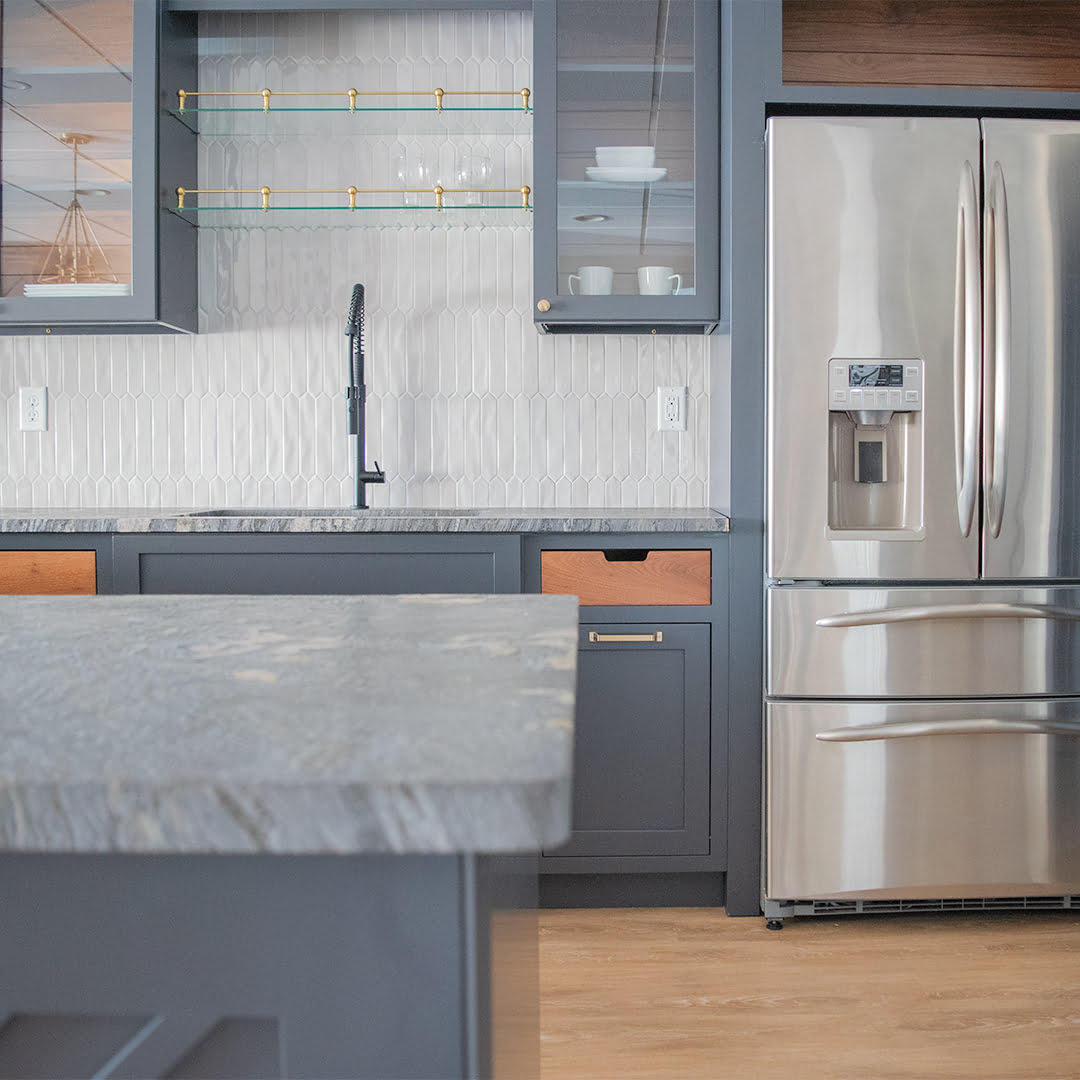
x=33 y=408
x=671 y=405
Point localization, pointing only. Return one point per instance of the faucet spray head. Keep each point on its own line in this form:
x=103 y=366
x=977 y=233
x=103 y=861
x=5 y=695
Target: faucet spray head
x=354 y=326
x=354 y=330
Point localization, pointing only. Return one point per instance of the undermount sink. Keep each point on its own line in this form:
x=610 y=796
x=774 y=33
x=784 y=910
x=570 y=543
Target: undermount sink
x=278 y=511
x=323 y=511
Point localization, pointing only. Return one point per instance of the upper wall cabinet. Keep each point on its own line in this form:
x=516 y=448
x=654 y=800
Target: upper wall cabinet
x=85 y=246
x=627 y=165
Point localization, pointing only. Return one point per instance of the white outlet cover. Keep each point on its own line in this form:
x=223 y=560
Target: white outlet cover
x=672 y=403
x=33 y=408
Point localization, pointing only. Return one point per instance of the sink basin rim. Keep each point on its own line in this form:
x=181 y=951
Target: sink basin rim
x=320 y=512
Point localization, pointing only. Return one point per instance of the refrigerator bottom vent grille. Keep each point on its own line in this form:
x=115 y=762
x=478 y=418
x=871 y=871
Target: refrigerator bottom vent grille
x=884 y=907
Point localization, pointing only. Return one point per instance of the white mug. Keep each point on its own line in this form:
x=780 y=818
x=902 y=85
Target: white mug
x=656 y=280
x=595 y=280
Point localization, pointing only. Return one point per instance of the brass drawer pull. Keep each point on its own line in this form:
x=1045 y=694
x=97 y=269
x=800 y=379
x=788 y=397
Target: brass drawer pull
x=657 y=636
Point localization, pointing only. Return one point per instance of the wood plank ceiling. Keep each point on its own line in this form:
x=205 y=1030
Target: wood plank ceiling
x=1019 y=44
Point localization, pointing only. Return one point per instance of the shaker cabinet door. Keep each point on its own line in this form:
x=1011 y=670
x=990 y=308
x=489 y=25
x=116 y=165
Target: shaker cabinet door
x=313 y=565
x=641 y=741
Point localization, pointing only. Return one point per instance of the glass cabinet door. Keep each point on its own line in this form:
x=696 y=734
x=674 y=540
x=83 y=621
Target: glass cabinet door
x=633 y=236
x=66 y=148
x=79 y=219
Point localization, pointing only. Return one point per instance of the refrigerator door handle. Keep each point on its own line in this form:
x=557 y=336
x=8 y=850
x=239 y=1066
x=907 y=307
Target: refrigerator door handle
x=997 y=292
x=974 y=726
x=925 y=612
x=966 y=347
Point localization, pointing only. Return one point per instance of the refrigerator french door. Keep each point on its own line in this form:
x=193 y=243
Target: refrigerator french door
x=923 y=510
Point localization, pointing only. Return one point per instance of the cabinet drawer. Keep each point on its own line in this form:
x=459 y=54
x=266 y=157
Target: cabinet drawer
x=48 y=572
x=629 y=576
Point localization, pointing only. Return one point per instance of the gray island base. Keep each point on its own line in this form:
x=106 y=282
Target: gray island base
x=278 y=836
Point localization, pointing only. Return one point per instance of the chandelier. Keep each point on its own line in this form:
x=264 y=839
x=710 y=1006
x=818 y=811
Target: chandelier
x=76 y=257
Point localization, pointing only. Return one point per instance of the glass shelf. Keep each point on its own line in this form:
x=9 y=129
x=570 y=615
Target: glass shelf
x=319 y=116
x=402 y=122
x=605 y=213
x=342 y=217
x=590 y=191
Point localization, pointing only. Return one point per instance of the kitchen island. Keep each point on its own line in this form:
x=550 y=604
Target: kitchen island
x=278 y=835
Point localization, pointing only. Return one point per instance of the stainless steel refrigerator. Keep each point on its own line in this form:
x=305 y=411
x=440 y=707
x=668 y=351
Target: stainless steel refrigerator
x=923 y=514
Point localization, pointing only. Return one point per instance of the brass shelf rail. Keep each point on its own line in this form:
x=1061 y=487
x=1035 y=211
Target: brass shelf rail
x=351 y=96
x=438 y=192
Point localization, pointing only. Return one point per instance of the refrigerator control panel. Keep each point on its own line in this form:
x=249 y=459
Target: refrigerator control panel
x=894 y=384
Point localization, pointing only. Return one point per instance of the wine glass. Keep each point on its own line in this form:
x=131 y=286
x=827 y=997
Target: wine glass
x=414 y=175
x=474 y=170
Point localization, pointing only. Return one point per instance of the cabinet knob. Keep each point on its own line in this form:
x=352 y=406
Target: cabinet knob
x=543 y=305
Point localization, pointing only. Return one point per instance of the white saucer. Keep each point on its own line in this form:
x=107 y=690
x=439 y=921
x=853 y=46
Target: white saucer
x=624 y=174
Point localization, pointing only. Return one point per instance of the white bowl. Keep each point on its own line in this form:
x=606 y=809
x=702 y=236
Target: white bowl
x=621 y=157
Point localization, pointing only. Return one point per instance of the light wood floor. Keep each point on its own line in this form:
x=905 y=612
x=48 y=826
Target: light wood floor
x=689 y=994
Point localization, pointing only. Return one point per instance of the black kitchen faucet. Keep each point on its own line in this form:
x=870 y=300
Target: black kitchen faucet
x=357 y=399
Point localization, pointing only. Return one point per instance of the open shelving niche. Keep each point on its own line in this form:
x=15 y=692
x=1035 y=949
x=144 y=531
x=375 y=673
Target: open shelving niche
x=351 y=113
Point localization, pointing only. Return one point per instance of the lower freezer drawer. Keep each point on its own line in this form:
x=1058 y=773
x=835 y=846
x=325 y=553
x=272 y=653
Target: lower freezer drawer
x=922 y=799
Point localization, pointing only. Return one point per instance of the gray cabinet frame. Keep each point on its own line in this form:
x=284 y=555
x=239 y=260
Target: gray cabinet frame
x=164 y=248
x=706 y=311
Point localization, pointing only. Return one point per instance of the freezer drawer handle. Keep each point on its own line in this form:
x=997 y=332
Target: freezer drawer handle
x=881 y=616
x=914 y=728
x=657 y=636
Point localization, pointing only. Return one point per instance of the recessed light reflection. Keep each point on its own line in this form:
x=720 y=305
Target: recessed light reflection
x=15 y=84
x=592 y=218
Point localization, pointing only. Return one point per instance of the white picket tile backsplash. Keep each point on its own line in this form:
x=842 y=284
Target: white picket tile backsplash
x=468 y=405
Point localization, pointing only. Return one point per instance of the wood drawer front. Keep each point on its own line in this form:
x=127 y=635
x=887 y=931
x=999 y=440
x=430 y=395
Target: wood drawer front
x=661 y=577
x=48 y=572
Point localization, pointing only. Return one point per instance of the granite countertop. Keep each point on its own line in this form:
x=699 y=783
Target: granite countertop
x=286 y=724
x=337 y=519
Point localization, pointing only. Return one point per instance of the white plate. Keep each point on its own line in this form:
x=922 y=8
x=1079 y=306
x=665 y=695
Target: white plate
x=624 y=174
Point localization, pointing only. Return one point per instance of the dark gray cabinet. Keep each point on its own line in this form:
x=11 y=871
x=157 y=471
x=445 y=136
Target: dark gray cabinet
x=650 y=737
x=306 y=966
x=265 y=564
x=627 y=243
x=650 y=793
x=641 y=752
x=88 y=245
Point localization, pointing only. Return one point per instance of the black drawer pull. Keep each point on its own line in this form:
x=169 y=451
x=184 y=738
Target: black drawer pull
x=626 y=554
